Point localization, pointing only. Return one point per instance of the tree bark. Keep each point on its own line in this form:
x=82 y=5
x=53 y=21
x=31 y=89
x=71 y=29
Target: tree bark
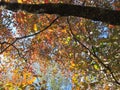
x=93 y=13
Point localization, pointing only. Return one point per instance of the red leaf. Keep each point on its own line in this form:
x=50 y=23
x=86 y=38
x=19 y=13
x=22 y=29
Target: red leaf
x=46 y=1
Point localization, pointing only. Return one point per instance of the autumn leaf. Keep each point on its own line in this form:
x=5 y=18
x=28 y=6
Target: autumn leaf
x=111 y=26
x=20 y=1
x=64 y=31
x=35 y=27
x=46 y=1
x=96 y=66
x=7 y=0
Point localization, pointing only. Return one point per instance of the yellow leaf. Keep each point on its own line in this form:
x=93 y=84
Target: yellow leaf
x=31 y=80
x=50 y=30
x=11 y=88
x=72 y=63
x=8 y=84
x=19 y=1
x=7 y=0
x=35 y=27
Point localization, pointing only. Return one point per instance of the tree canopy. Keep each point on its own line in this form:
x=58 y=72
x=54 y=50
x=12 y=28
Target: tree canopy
x=72 y=43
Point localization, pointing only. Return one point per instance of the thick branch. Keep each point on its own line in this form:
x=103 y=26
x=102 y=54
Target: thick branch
x=94 y=13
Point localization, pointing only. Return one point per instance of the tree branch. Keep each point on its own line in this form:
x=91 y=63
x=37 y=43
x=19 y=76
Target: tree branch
x=94 y=54
x=27 y=36
x=94 y=13
x=107 y=67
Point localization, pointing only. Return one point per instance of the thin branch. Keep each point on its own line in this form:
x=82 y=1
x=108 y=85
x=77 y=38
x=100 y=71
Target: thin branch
x=94 y=54
x=107 y=67
x=8 y=46
x=15 y=48
x=74 y=37
x=100 y=61
x=34 y=34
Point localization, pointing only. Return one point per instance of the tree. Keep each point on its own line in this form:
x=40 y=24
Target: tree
x=56 y=33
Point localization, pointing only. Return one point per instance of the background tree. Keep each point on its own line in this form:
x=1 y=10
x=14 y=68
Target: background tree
x=85 y=52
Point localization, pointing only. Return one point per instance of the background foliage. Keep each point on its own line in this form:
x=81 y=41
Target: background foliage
x=49 y=52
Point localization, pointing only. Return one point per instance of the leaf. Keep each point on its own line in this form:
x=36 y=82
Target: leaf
x=68 y=39
x=46 y=1
x=7 y=0
x=111 y=26
x=72 y=64
x=107 y=87
x=96 y=66
x=11 y=88
x=20 y=1
x=64 y=31
x=35 y=27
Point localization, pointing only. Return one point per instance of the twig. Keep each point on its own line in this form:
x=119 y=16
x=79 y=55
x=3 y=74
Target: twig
x=93 y=53
x=34 y=34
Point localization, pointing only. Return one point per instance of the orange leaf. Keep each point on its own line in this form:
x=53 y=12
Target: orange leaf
x=111 y=26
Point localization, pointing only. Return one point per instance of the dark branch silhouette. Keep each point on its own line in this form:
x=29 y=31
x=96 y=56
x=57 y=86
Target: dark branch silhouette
x=94 y=13
x=93 y=53
x=27 y=36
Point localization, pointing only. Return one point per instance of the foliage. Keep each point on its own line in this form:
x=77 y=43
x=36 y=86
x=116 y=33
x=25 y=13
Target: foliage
x=40 y=50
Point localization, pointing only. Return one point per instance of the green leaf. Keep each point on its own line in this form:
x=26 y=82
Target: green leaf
x=96 y=67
